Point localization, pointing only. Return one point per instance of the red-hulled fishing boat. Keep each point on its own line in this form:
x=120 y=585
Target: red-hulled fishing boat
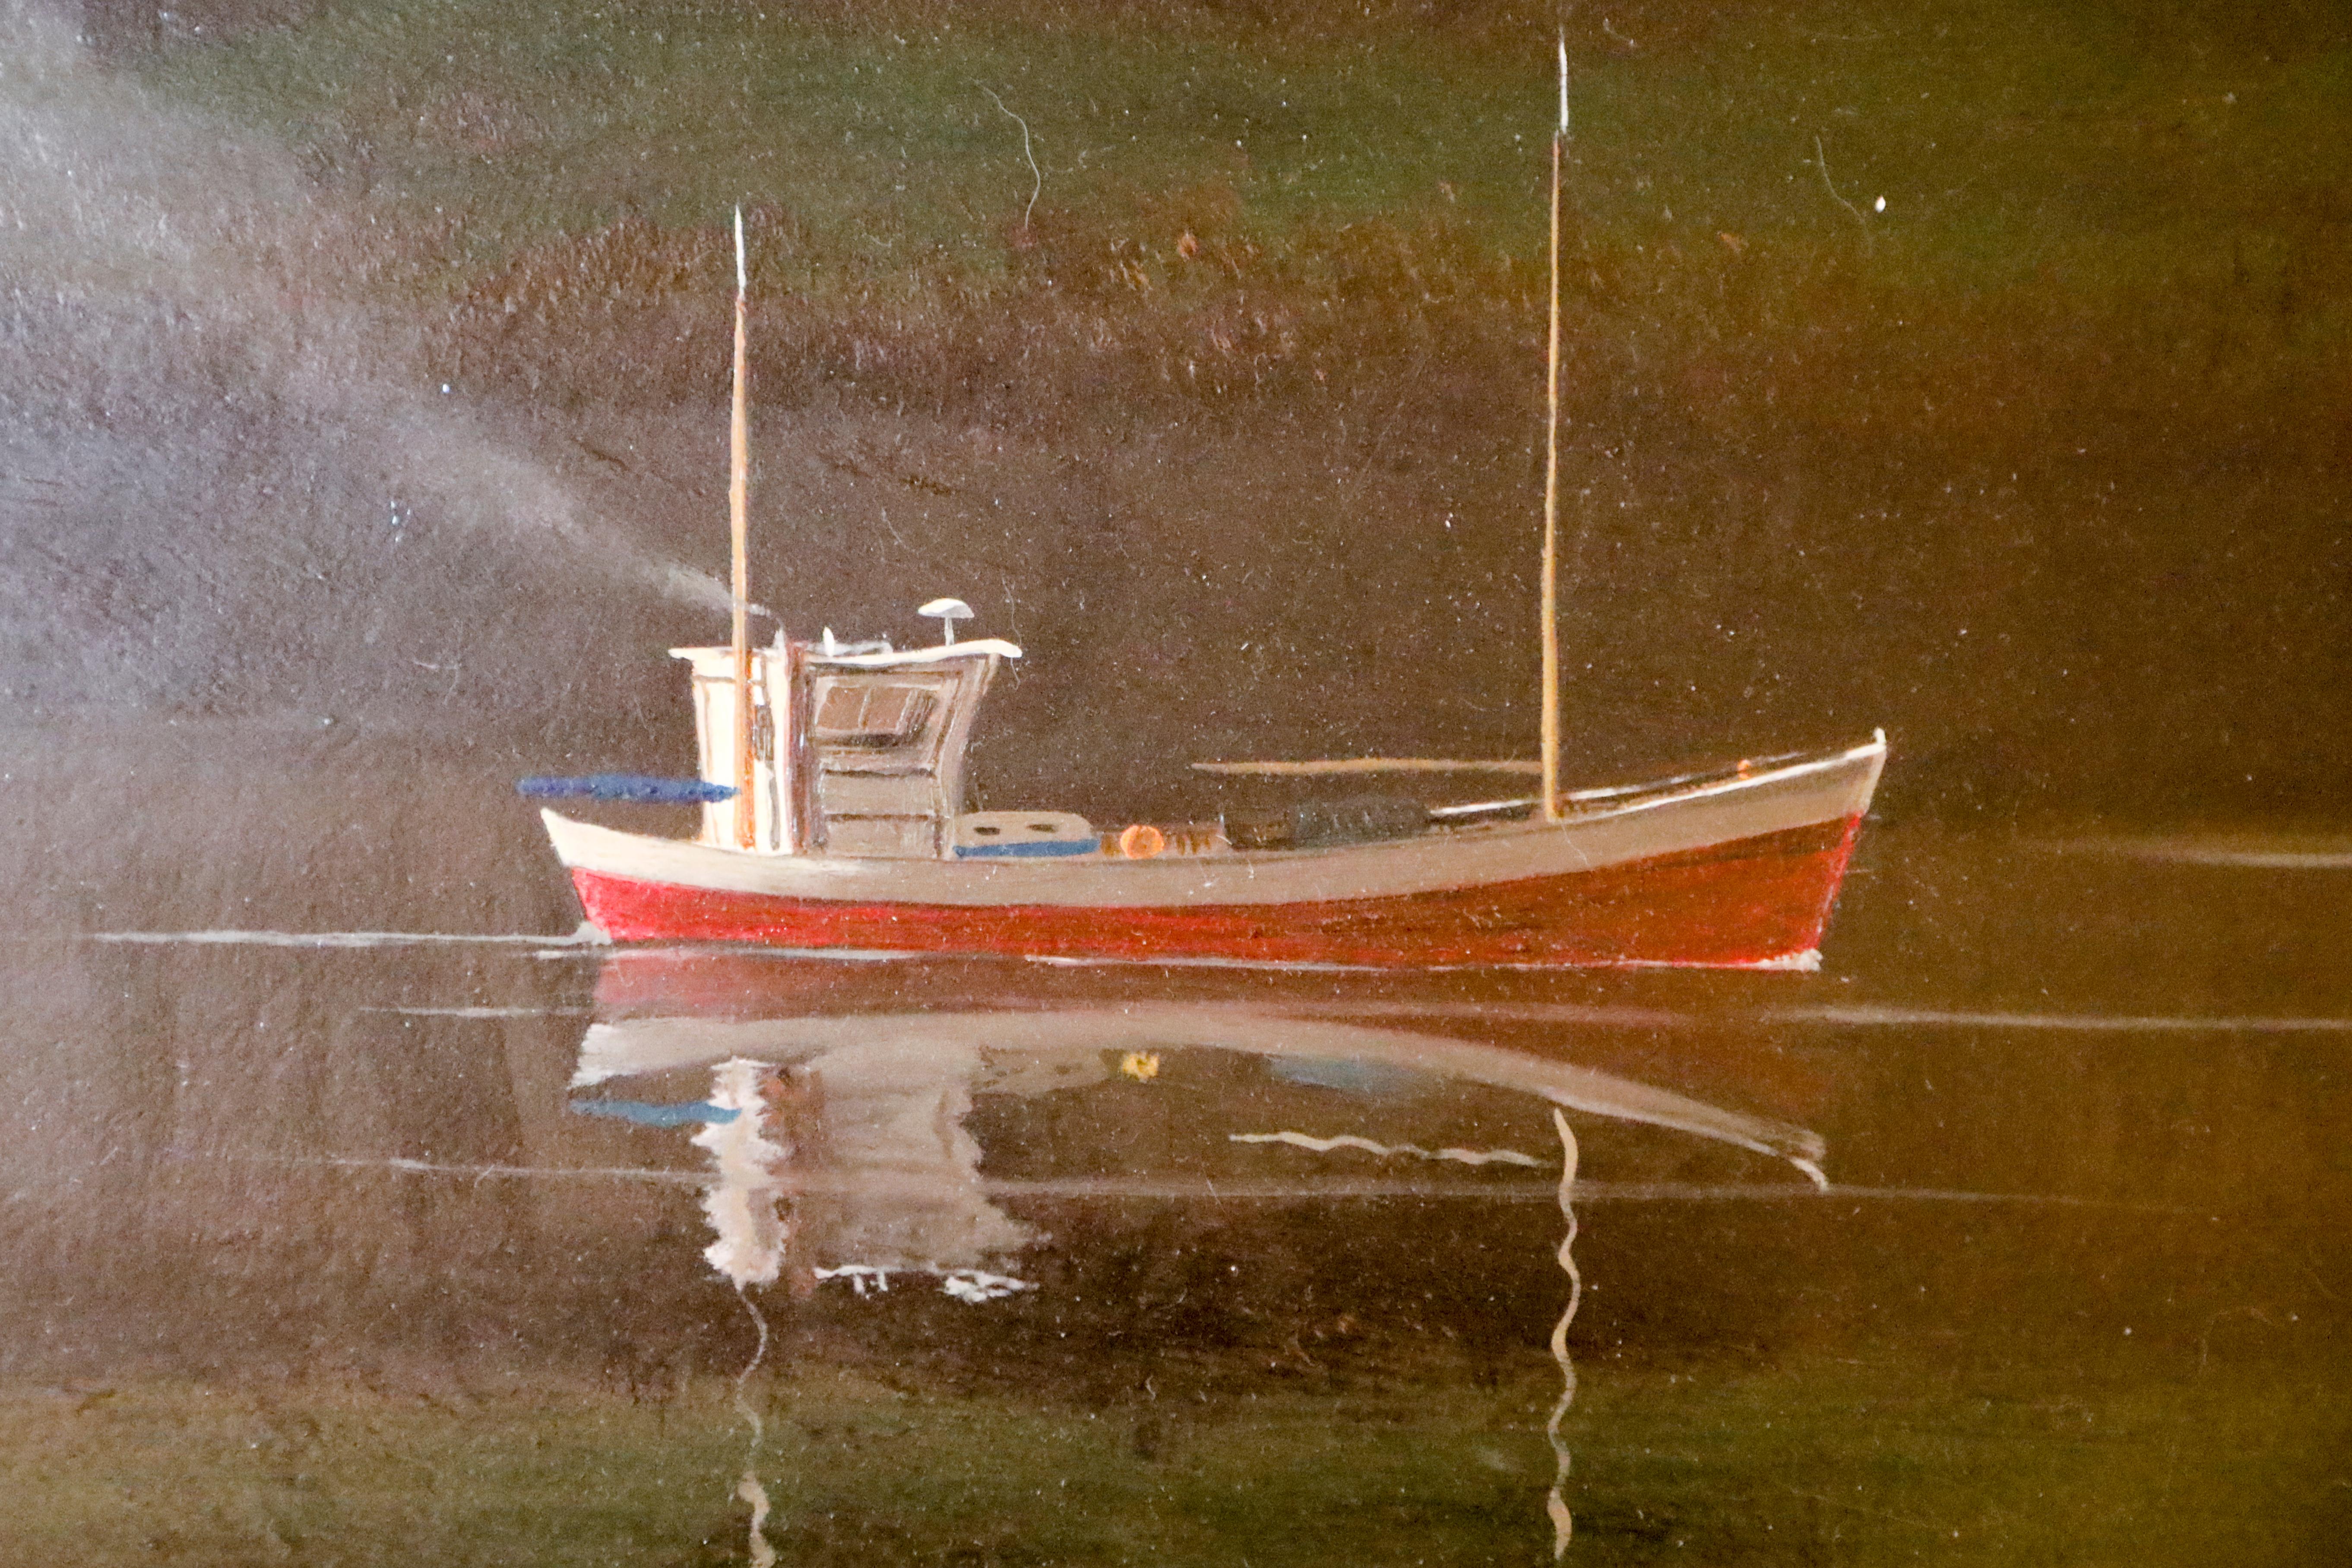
x=833 y=795
x=1737 y=871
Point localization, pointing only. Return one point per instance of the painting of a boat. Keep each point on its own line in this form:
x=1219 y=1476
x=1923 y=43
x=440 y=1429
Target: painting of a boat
x=833 y=791
x=859 y=843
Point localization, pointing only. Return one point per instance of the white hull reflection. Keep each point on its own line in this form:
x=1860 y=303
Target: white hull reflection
x=838 y=1150
x=1028 y=1051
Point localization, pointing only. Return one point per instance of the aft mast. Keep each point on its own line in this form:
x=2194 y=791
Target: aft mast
x=1552 y=802
x=738 y=519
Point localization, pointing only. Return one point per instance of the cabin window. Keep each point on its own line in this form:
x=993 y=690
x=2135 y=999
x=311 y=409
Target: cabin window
x=872 y=717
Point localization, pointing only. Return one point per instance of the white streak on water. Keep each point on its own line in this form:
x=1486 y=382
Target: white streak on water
x=1350 y=1140
x=2100 y=1023
x=973 y=1285
x=1555 y=1502
x=2195 y=852
x=586 y=936
x=1598 y=1015
x=861 y=1275
x=485 y=1012
x=748 y=1489
x=408 y=1167
x=1116 y=1189
x=1857 y=1016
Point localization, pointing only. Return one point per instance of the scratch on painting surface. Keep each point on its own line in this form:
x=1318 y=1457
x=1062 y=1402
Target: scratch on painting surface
x=1555 y=1501
x=1350 y=1140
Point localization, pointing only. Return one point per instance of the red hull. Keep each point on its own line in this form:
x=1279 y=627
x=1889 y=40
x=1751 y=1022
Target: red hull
x=1751 y=902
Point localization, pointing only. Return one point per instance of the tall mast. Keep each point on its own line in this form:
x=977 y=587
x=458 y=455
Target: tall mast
x=1551 y=481
x=738 y=519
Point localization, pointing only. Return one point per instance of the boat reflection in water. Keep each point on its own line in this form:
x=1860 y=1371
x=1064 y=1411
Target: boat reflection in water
x=856 y=1117
x=858 y=1130
x=837 y=1116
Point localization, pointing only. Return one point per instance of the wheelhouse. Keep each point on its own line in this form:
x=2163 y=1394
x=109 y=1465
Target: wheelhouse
x=855 y=749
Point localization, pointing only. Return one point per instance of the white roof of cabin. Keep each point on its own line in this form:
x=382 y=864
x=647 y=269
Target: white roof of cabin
x=938 y=653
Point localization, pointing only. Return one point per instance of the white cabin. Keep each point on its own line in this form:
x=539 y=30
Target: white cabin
x=853 y=753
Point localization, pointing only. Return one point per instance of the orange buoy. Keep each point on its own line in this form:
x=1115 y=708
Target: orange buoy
x=1141 y=841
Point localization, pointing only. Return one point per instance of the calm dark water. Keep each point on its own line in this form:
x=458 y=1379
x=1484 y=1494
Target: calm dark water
x=408 y=1251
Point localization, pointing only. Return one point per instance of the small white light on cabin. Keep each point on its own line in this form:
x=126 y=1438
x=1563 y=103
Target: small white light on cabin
x=1879 y=205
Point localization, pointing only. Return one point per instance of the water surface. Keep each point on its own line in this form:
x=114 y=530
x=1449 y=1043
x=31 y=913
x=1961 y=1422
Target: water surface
x=394 y=1250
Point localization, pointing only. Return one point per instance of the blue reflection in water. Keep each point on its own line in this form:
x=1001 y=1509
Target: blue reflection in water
x=1351 y=1077
x=652 y=1115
